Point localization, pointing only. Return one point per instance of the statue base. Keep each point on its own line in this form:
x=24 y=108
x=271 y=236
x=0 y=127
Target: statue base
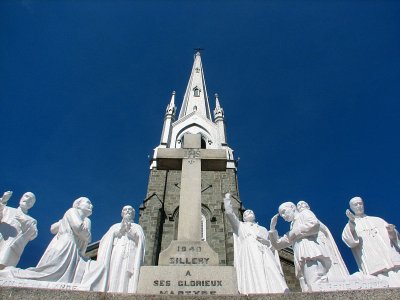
x=13 y=282
x=350 y=283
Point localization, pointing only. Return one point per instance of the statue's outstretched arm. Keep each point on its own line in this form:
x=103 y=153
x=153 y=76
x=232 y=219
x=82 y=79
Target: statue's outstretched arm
x=233 y=219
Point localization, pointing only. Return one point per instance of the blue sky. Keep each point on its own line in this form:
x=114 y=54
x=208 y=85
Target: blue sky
x=310 y=91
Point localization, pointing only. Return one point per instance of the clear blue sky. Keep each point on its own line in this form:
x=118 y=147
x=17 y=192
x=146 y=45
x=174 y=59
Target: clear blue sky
x=310 y=91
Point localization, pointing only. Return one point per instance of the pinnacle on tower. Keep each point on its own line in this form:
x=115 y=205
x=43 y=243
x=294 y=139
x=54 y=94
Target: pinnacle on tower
x=171 y=108
x=168 y=119
x=218 y=111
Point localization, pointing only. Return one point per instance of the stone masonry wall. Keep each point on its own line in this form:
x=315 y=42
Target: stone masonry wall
x=159 y=212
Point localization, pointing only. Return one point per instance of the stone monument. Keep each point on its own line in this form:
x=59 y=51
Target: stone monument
x=189 y=266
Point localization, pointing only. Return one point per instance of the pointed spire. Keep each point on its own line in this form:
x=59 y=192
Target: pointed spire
x=196 y=98
x=171 y=108
x=218 y=111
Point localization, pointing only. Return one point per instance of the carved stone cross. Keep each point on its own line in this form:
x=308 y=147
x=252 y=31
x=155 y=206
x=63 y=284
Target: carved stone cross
x=191 y=159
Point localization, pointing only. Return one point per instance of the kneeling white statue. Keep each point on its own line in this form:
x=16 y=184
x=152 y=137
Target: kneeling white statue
x=63 y=261
x=121 y=252
x=375 y=244
x=17 y=228
x=256 y=261
x=311 y=260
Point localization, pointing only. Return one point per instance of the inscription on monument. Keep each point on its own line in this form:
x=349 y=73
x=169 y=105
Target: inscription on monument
x=192 y=153
x=196 y=259
x=187 y=253
x=189 y=280
x=188 y=283
x=42 y=284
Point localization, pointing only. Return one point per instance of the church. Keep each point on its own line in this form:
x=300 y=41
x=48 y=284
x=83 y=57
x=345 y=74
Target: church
x=159 y=212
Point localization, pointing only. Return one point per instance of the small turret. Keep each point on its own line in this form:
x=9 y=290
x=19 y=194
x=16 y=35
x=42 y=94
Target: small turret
x=220 y=121
x=168 y=120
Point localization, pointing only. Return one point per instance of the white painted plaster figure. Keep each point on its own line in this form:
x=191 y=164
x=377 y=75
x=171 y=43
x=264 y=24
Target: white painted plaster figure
x=63 y=260
x=338 y=269
x=257 y=264
x=375 y=244
x=121 y=251
x=311 y=260
x=17 y=228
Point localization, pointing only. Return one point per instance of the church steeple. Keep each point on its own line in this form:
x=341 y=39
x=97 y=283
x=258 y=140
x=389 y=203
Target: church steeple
x=195 y=118
x=196 y=98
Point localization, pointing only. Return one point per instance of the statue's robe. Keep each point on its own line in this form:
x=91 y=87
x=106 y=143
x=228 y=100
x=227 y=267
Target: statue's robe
x=122 y=255
x=17 y=229
x=257 y=265
x=306 y=248
x=338 y=269
x=375 y=253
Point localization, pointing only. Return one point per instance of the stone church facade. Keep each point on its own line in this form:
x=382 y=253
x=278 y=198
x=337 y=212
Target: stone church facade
x=159 y=212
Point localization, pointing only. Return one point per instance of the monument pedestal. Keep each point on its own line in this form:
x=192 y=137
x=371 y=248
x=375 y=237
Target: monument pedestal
x=188 y=268
x=187 y=280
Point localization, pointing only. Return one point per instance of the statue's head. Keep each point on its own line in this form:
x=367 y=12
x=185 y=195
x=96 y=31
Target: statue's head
x=302 y=205
x=84 y=204
x=287 y=211
x=357 y=206
x=128 y=213
x=249 y=216
x=27 y=201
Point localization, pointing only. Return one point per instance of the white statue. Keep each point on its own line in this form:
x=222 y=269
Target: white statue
x=3 y=202
x=338 y=269
x=311 y=260
x=121 y=251
x=256 y=261
x=374 y=243
x=63 y=260
x=17 y=228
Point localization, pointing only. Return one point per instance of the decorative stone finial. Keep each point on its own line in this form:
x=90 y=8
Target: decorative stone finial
x=171 y=108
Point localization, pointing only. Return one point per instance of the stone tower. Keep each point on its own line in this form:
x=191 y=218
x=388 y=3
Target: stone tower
x=159 y=212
